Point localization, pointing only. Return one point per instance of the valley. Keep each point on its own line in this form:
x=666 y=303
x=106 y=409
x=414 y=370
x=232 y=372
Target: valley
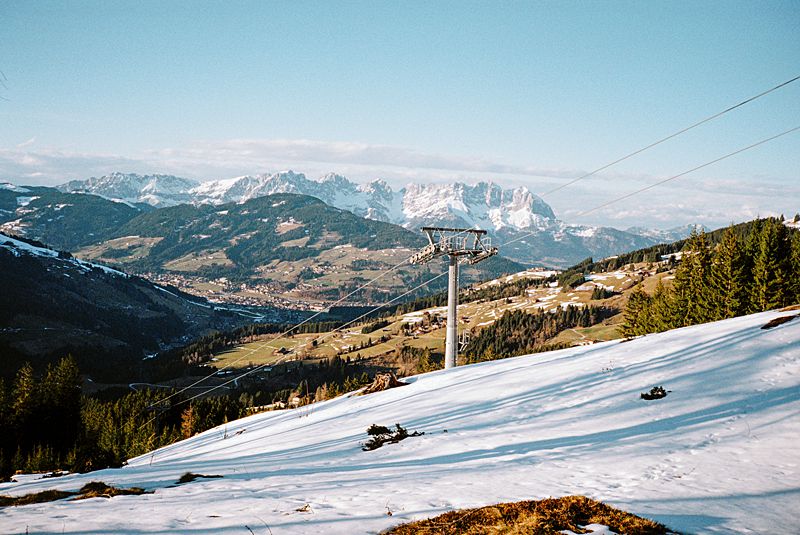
x=373 y=268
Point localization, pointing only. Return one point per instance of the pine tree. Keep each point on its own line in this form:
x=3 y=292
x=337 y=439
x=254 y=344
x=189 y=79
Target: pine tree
x=188 y=422
x=769 y=268
x=690 y=291
x=793 y=287
x=726 y=281
x=660 y=311
x=23 y=397
x=751 y=245
x=61 y=404
x=6 y=470
x=637 y=314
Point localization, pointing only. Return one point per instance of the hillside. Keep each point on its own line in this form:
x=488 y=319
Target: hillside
x=717 y=455
x=287 y=245
x=65 y=221
x=53 y=304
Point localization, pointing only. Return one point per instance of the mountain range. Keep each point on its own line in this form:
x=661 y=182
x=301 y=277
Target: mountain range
x=510 y=215
x=282 y=249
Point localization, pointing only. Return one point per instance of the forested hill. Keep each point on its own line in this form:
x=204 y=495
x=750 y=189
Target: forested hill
x=280 y=226
x=656 y=252
x=53 y=304
x=752 y=268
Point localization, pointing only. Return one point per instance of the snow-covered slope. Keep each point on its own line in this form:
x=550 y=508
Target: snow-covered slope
x=18 y=248
x=717 y=455
x=157 y=190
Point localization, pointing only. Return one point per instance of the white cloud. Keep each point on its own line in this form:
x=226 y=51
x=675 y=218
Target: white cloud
x=28 y=143
x=259 y=153
x=693 y=199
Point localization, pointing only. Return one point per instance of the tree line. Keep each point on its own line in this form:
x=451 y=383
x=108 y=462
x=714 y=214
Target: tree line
x=753 y=268
x=519 y=333
x=49 y=424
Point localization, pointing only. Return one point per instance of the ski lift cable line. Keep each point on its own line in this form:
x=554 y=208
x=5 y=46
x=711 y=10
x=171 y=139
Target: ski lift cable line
x=283 y=334
x=692 y=170
x=673 y=135
x=288 y=331
x=280 y=360
x=664 y=181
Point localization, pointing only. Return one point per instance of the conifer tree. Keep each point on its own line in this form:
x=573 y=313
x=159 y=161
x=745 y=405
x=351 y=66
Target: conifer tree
x=5 y=443
x=637 y=314
x=23 y=396
x=4 y=410
x=188 y=422
x=751 y=246
x=660 y=311
x=769 y=268
x=726 y=280
x=690 y=304
x=61 y=404
x=793 y=287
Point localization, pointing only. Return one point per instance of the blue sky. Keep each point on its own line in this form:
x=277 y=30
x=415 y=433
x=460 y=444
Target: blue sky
x=523 y=93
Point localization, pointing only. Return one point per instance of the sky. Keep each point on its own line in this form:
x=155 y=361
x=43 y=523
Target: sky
x=522 y=93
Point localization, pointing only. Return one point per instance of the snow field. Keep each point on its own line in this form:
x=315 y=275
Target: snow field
x=717 y=455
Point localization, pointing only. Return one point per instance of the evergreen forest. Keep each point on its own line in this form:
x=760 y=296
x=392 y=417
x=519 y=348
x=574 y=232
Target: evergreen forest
x=752 y=268
x=49 y=425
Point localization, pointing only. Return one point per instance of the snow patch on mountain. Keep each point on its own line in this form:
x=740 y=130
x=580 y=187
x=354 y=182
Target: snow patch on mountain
x=512 y=215
x=668 y=235
x=157 y=190
x=12 y=187
x=18 y=247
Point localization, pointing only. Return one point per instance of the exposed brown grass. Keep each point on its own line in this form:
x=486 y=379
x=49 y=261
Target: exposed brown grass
x=542 y=517
x=780 y=320
x=188 y=477
x=98 y=489
x=38 y=497
x=95 y=489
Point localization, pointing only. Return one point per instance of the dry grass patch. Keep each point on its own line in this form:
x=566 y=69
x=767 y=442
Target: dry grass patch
x=38 y=497
x=188 y=477
x=780 y=320
x=542 y=517
x=95 y=489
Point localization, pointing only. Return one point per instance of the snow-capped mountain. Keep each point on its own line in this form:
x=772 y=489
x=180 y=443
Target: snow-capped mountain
x=717 y=455
x=373 y=200
x=668 y=235
x=157 y=190
x=510 y=215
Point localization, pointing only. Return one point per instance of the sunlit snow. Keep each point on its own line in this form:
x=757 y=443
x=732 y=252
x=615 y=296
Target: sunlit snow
x=717 y=455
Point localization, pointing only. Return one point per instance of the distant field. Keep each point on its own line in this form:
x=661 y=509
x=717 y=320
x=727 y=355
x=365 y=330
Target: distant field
x=472 y=317
x=260 y=353
x=194 y=261
x=119 y=250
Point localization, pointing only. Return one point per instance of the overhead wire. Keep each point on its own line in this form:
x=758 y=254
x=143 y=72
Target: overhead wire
x=604 y=167
x=285 y=333
x=660 y=182
x=285 y=357
x=673 y=135
x=294 y=327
